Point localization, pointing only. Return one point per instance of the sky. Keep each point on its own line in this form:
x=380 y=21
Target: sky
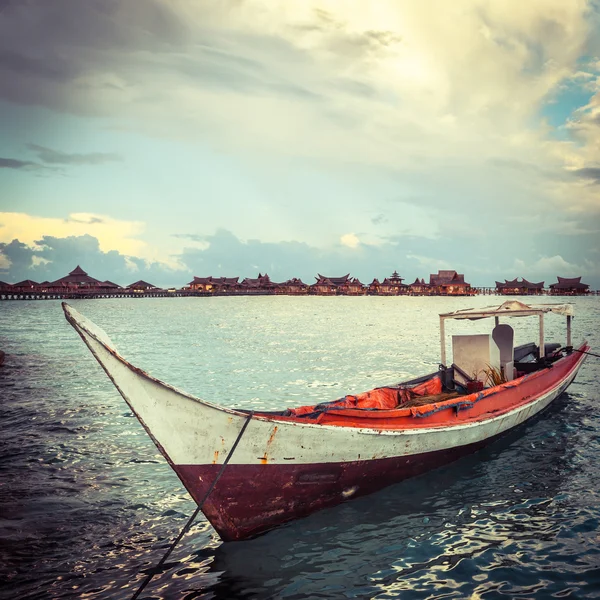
x=166 y=139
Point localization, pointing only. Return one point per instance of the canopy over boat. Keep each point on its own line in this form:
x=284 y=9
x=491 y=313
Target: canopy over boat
x=511 y=308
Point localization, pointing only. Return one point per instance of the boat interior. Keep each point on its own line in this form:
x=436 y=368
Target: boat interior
x=479 y=362
x=461 y=378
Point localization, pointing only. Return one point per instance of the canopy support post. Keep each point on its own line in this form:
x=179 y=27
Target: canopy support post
x=568 y=330
x=496 y=320
x=442 y=341
x=542 y=353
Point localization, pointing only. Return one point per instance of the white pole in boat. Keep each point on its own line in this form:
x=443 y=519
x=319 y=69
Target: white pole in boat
x=443 y=341
x=568 y=330
x=542 y=335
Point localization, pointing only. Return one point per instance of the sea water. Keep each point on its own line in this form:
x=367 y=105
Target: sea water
x=88 y=505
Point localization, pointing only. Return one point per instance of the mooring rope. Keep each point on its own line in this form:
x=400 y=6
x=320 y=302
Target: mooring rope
x=187 y=526
x=585 y=352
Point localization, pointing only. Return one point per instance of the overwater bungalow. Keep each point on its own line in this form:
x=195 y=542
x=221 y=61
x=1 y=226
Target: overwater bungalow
x=214 y=284
x=109 y=286
x=419 y=288
x=76 y=281
x=330 y=286
x=292 y=287
x=569 y=286
x=261 y=285
x=225 y=285
x=393 y=286
x=519 y=288
x=354 y=287
x=201 y=284
x=374 y=287
x=449 y=283
x=27 y=285
x=141 y=287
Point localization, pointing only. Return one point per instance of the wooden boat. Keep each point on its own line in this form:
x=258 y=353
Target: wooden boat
x=250 y=471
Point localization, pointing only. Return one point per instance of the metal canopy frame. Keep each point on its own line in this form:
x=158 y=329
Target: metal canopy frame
x=510 y=308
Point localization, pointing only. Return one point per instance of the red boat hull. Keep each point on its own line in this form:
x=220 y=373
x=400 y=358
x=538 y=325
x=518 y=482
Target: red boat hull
x=251 y=499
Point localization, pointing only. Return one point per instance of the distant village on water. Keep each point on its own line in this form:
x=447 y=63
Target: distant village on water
x=78 y=284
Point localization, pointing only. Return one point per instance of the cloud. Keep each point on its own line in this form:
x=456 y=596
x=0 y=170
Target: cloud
x=445 y=118
x=85 y=219
x=227 y=255
x=430 y=263
x=395 y=67
x=549 y=267
x=56 y=157
x=350 y=240
x=193 y=240
x=379 y=219
x=50 y=258
x=348 y=84
x=26 y=165
x=52 y=158
x=112 y=234
x=589 y=173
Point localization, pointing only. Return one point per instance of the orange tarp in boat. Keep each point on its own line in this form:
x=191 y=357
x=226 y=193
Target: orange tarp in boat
x=384 y=398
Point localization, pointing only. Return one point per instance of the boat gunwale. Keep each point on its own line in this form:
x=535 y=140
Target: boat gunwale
x=475 y=421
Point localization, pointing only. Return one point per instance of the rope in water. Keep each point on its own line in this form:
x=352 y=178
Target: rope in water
x=187 y=526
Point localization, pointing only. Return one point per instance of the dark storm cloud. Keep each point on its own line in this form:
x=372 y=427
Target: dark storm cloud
x=55 y=159
x=589 y=173
x=86 y=57
x=64 y=254
x=20 y=256
x=15 y=63
x=46 y=46
x=26 y=165
x=13 y=163
x=48 y=155
x=229 y=256
x=96 y=24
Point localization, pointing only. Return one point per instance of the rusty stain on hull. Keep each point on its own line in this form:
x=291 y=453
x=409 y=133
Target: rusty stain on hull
x=264 y=459
x=272 y=436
